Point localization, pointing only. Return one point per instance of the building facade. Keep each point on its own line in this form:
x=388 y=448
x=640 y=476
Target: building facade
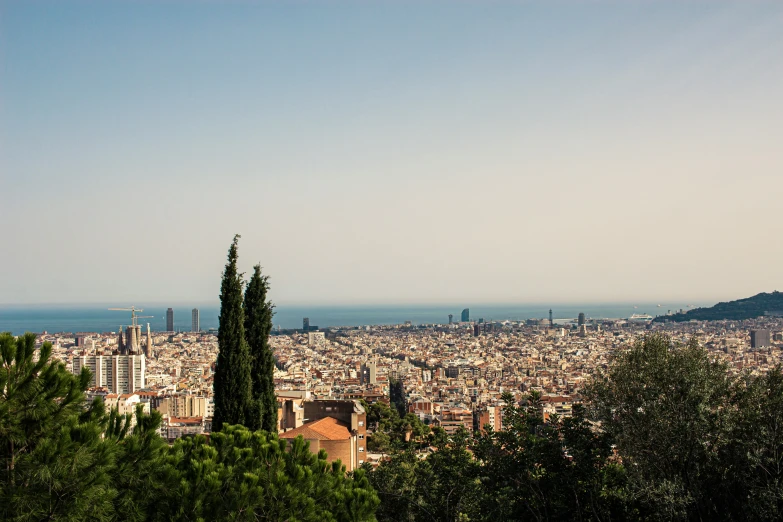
x=759 y=338
x=336 y=426
x=194 y=317
x=118 y=373
x=170 y=320
x=368 y=374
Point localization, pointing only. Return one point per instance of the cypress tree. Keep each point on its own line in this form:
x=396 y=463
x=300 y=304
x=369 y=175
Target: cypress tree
x=258 y=325
x=233 y=399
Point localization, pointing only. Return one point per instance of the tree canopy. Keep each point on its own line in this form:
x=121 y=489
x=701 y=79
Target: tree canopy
x=258 y=326
x=65 y=459
x=233 y=397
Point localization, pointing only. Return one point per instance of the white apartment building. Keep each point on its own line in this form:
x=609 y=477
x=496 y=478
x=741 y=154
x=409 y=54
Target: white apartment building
x=118 y=373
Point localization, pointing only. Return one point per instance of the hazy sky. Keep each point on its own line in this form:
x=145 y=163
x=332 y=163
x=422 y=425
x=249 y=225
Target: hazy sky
x=391 y=152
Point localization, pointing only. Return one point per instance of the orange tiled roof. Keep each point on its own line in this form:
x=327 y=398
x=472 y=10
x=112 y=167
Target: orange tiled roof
x=327 y=428
x=185 y=420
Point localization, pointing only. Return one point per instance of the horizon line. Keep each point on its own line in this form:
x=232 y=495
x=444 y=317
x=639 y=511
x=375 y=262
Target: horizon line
x=321 y=304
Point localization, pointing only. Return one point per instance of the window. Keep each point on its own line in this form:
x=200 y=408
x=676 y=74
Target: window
x=361 y=423
x=361 y=449
x=361 y=462
x=361 y=437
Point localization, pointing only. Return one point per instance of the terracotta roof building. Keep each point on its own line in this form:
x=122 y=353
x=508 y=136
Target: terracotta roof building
x=338 y=427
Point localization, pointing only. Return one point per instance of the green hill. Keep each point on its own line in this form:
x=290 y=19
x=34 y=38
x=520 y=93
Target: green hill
x=748 y=308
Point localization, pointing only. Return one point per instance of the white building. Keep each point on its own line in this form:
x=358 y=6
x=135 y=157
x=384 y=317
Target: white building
x=316 y=338
x=118 y=373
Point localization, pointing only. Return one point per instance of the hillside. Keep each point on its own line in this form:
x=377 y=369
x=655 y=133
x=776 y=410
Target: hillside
x=747 y=308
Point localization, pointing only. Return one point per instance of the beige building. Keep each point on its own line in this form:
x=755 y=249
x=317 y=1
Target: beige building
x=117 y=373
x=338 y=427
x=186 y=406
x=126 y=403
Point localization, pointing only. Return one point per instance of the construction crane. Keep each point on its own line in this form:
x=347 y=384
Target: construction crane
x=134 y=317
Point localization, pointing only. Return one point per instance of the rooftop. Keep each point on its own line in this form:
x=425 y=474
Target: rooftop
x=327 y=428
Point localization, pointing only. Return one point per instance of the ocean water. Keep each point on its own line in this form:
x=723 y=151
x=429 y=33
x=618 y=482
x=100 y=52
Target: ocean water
x=96 y=318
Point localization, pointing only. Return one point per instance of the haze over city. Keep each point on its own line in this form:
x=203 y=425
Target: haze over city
x=391 y=152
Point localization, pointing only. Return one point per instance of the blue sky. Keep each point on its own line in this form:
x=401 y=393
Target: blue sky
x=391 y=152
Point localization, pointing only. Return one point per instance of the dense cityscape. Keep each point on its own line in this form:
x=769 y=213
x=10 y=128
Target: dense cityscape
x=453 y=374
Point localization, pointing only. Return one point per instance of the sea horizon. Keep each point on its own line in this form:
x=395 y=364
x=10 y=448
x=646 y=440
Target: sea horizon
x=95 y=317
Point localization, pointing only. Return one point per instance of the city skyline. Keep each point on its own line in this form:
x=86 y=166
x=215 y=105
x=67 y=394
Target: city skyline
x=391 y=153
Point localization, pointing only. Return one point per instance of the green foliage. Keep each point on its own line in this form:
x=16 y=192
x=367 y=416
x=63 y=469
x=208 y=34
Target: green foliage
x=661 y=399
x=66 y=460
x=38 y=398
x=556 y=470
x=443 y=487
x=668 y=435
x=696 y=443
x=741 y=309
x=63 y=460
x=749 y=481
x=258 y=326
x=232 y=384
x=397 y=396
x=245 y=475
x=390 y=430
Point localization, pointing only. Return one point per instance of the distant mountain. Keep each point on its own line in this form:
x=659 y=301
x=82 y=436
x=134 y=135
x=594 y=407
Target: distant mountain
x=748 y=308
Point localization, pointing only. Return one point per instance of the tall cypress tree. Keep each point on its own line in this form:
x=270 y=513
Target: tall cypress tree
x=258 y=325
x=232 y=386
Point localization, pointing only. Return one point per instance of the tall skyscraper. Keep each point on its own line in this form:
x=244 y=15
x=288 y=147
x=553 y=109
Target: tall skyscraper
x=581 y=319
x=466 y=315
x=759 y=338
x=195 y=322
x=451 y=318
x=551 y=321
x=170 y=320
x=306 y=324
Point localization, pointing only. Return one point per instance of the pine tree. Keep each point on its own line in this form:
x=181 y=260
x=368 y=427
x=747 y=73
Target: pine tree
x=258 y=325
x=63 y=460
x=242 y=475
x=38 y=397
x=232 y=385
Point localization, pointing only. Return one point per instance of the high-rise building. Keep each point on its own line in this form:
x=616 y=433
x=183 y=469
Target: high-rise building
x=581 y=319
x=194 y=321
x=170 y=320
x=306 y=324
x=759 y=338
x=148 y=345
x=117 y=373
x=368 y=373
x=476 y=330
x=551 y=322
x=466 y=315
x=451 y=318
